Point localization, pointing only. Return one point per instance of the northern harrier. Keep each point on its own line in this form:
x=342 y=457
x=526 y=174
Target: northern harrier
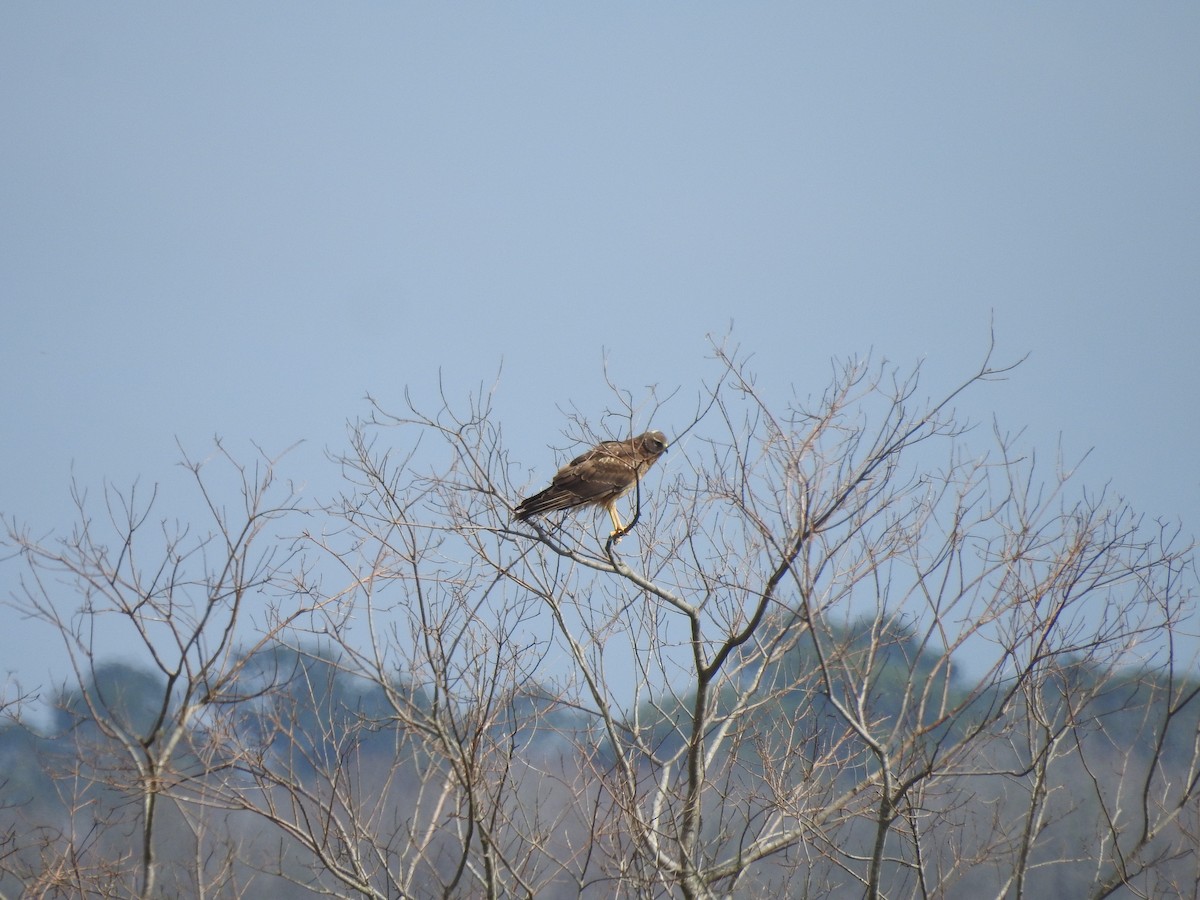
x=608 y=471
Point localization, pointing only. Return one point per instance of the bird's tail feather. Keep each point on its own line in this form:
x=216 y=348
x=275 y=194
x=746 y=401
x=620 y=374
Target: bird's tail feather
x=543 y=502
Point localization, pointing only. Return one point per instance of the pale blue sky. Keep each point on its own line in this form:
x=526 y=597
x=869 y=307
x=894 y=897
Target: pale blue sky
x=239 y=218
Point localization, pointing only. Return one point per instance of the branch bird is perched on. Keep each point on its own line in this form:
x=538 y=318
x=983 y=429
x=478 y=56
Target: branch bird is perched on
x=607 y=472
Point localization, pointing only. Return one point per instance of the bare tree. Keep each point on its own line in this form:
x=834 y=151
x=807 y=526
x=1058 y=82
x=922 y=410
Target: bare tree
x=919 y=611
x=850 y=646
x=184 y=601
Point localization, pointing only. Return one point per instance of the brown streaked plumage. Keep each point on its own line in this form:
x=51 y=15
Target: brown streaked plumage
x=599 y=477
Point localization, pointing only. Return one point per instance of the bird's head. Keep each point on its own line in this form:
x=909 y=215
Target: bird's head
x=653 y=442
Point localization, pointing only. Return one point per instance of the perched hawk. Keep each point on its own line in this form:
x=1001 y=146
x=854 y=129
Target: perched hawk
x=599 y=477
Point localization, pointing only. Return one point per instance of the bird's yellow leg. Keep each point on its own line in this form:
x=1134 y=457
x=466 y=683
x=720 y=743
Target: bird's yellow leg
x=616 y=520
